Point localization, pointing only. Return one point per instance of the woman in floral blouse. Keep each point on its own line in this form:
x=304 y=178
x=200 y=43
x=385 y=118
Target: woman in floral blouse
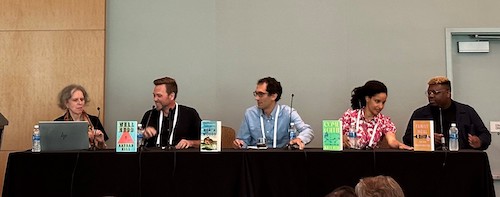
x=365 y=118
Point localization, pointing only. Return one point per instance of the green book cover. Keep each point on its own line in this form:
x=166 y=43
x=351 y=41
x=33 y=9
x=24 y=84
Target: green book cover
x=332 y=135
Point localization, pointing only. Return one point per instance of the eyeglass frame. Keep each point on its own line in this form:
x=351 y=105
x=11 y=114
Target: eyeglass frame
x=260 y=94
x=434 y=92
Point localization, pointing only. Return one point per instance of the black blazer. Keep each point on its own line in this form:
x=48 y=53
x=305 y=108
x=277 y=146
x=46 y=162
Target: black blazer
x=466 y=118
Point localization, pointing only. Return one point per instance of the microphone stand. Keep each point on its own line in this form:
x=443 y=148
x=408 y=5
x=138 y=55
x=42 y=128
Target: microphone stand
x=145 y=144
x=169 y=131
x=290 y=146
x=443 y=140
x=94 y=143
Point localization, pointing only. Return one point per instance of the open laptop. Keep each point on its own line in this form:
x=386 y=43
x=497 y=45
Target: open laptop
x=63 y=135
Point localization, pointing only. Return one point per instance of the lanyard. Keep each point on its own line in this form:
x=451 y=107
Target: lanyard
x=173 y=126
x=372 y=136
x=275 y=126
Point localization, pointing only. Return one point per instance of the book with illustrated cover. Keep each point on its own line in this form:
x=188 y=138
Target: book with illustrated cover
x=126 y=136
x=423 y=135
x=332 y=135
x=211 y=132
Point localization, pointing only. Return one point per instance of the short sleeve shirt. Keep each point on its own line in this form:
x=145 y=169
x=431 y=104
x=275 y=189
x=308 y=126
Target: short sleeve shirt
x=365 y=131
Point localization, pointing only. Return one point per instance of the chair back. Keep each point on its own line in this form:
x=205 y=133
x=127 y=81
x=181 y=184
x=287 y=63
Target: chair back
x=228 y=136
x=383 y=143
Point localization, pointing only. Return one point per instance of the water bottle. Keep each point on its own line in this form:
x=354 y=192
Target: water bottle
x=292 y=131
x=36 y=139
x=453 y=137
x=140 y=134
x=353 y=136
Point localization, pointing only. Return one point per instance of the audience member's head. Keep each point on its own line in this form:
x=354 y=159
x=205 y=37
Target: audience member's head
x=342 y=191
x=378 y=186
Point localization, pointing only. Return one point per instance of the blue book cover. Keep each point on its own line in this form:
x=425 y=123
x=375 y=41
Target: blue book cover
x=126 y=136
x=210 y=136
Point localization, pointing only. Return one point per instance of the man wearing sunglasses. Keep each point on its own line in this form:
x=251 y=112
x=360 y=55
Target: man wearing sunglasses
x=444 y=111
x=269 y=121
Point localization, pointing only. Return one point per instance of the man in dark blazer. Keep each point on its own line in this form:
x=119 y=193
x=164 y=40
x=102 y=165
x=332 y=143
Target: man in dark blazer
x=444 y=111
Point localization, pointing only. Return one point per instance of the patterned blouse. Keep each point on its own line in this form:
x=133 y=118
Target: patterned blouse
x=382 y=123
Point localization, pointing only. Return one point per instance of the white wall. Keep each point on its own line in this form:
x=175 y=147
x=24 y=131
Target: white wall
x=319 y=50
x=149 y=40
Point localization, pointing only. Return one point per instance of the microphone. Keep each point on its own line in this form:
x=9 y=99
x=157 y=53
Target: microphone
x=97 y=121
x=291 y=108
x=98 y=112
x=149 y=117
x=443 y=140
x=94 y=145
x=292 y=133
x=146 y=126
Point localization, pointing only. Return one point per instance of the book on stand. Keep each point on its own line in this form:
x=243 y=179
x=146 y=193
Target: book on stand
x=423 y=135
x=332 y=135
x=126 y=136
x=211 y=131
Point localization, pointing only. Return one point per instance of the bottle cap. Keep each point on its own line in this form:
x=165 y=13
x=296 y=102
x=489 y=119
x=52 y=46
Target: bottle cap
x=139 y=125
x=292 y=123
x=36 y=126
x=453 y=124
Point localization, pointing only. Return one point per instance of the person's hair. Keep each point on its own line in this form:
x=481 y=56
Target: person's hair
x=273 y=86
x=378 y=186
x=370 y=88
x=440 y=80
x=342 y=191
x=169 y=83
x=68 y=91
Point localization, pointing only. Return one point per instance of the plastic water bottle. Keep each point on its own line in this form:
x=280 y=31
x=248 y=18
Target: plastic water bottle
x=140 y=134
x=453 y=137
x=353 y=136
x=292 y=131
x=36 y=139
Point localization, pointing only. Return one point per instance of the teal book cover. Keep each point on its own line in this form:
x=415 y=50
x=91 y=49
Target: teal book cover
x=126 y=136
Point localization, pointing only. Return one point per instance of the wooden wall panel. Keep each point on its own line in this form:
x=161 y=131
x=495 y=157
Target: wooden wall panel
x=52 y=14
x=44 y=46
x=36 y=66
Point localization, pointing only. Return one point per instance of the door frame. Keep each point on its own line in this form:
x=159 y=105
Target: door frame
x=450 y=32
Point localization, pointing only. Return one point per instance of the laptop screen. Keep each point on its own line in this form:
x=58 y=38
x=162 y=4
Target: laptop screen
x=63 y=135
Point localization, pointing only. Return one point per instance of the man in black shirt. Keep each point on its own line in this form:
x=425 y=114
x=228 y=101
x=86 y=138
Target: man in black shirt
x=170 y=124
x=444 y=111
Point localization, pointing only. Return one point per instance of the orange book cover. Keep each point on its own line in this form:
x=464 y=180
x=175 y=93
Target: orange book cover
x=423 y=135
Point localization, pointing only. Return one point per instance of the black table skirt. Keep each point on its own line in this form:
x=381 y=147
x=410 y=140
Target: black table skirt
x=312 y=172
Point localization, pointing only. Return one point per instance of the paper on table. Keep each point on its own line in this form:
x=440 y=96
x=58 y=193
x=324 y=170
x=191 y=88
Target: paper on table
x=257 y=148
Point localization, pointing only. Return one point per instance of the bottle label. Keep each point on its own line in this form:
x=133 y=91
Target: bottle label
x=453 y=136
x=352 y=134
x=292 y=133
x=36 y=137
